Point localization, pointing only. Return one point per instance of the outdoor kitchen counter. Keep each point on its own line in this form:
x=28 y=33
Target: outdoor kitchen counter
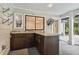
x=16 y=32
x=46 y=34
x=46 y=43
x=40 y=33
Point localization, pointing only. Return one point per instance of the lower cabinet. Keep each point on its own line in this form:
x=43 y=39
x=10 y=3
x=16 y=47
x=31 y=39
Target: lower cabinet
x=20 y=41
x=47 y=45
x=39 y=41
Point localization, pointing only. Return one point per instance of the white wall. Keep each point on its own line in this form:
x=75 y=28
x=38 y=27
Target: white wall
x=35 y=13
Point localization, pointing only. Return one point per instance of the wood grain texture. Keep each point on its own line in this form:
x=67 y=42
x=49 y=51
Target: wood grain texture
x=20 y=41
x=47 y=45
x=30 y=22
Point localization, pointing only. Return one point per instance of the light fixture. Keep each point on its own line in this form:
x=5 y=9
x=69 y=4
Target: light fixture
x=50 y=5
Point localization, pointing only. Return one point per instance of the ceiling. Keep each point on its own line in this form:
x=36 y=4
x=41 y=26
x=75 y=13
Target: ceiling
x=57 y=8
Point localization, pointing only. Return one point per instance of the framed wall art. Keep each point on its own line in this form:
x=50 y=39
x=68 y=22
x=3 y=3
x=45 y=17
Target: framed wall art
x=18 y=21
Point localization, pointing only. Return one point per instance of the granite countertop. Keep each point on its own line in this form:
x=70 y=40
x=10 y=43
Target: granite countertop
x=41 y=33
x=46 y=34
x=16 y=32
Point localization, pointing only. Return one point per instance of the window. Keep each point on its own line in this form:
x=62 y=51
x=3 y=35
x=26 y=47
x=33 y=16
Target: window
x=34 y=22
x=76 y=26
x=66 y=26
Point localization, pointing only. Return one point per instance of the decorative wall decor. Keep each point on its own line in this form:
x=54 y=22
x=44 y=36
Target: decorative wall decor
x=18 y=21
x=5 y=15
x=30 y=22
x=34 y=22
x=50 y=21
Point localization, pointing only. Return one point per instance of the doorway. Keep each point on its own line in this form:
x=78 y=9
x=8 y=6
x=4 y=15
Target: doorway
x=65 y=29
x=55 y=27
x=76 y=30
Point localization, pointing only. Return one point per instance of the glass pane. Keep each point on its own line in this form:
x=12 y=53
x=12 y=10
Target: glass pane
x=76 y=27
x=67 y=27
x=39 y=23
x=30 y=22
x=18 y=20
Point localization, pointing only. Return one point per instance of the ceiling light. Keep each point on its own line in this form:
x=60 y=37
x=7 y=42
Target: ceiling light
x=50 y=5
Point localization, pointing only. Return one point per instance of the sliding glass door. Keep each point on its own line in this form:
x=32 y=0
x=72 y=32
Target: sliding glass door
x=76 y=26
x=66 y=29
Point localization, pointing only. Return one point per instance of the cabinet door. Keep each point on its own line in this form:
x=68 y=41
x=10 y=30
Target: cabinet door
x=37 y=42
x=30 y=22
x=20 y=41
x=17 y=43
x=39 y=23
x=40 y=43
x=51 y=45
x=29 y=38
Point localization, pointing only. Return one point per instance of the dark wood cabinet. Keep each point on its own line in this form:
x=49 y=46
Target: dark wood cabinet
x=39 y=42
x=21 y=40
x=47 y=45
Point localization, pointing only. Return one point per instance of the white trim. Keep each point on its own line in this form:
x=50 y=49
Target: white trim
x=47 y=13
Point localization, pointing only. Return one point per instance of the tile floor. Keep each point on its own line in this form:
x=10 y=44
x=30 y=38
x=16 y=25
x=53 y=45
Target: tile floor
x=64 y=49
x=30 y=51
